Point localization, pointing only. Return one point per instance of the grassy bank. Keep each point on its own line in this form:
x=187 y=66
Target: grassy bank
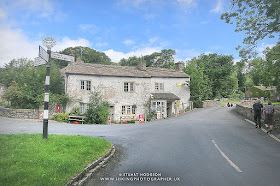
x=27 y=159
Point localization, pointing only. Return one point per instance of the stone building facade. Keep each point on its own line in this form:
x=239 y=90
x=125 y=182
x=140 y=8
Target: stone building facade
x=128 y=89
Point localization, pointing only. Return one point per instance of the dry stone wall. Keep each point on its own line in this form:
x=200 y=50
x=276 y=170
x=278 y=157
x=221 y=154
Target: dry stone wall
x=246 y=110
x=211 y=103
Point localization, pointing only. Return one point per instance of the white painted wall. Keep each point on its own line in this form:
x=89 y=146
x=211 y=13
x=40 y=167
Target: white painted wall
x=112 y=91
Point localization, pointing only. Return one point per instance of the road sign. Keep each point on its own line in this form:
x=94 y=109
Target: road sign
x=49 y=42
x=43 y=54
x=39 y=61
x=62 y=57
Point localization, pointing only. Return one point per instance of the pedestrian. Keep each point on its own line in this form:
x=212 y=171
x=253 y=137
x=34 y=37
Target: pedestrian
x=231 y=105
x=228 y=104
x=257 y=107
x=268 y=117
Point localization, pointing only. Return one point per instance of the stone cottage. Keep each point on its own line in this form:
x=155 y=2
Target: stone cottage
x=268 y=93
x=128 y=89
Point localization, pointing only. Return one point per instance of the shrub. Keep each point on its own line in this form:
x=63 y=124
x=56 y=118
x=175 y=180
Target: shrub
x=98 y=111
x=61 y=117
x=197 y=104
x=75 y=111
x=152 y=115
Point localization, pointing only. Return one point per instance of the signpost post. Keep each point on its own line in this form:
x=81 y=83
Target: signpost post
x=45 y=58
x=49 y=43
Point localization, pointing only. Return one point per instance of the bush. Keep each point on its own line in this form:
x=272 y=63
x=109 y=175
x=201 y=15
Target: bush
x=152 y=115
x=75 y=111
x=98 y=111
x=98 y=114
x=61 y=117
x=197 y=104
x=3 y=104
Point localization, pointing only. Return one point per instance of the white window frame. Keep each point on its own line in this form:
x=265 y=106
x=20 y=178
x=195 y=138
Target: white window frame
x=84 y=107
x=128 y=110
x=85 y=85
x=82 y=84
x=129 y=87
x=159 y=86
x=88 y=85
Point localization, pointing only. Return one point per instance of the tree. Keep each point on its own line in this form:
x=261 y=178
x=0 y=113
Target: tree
x=25 y=83
x=163 y=59
x=273 y=64
x=98 y=111
x=88 y=56
x=199 y=84
x=212 y=76
x=257 y=18
x=131 y=61
x=241 y=74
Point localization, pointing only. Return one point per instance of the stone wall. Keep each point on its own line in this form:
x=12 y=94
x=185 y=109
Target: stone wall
x=246 y=110
x=28 y=113
x=20 y=113
x=211 y=103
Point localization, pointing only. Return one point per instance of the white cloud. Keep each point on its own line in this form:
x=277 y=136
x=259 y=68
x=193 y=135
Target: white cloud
x=44 y=7
x=67 y=42
x=128 y=42
x=218 y=8
x=14 y=44
x=117 y=56
x=263 y=46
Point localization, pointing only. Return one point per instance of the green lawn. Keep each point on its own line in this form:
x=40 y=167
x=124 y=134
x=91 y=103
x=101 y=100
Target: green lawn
x=27 y=159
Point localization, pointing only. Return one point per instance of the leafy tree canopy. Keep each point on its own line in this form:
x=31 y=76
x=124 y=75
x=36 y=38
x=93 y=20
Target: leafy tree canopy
x=257 y=18
x=212 y=76
x=25 y=83
x=88 y=55
x=163 y=59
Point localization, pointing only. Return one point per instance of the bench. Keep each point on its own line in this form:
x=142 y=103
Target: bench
x=125 y=118
x=76 y=118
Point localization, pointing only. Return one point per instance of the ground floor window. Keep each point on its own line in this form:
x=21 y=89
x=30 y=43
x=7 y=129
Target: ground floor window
x=83 y=107
x=128 y=110
x=159 y=106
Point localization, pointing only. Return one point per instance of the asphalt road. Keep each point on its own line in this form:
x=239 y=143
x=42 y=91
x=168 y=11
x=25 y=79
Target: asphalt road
x=212 y=146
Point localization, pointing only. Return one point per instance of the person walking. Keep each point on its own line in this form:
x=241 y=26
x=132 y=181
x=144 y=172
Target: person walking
x=257 y=107
x=268 y=117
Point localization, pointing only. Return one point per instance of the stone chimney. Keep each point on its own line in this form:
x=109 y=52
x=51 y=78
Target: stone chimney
x=142 y=65
x=179 y=66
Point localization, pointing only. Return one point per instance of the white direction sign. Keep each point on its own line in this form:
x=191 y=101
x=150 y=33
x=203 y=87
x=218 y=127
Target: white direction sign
x=62 y=57
x=39 y=61
x=43 y=54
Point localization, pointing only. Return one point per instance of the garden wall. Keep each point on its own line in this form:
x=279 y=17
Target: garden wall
x=211 y=103
x=246 y=110
x=28 y=113
x=20 y=113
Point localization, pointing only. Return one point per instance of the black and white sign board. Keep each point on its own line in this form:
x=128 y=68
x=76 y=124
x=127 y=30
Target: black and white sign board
x=39 y=61
x=62 y=57
x=43 y=54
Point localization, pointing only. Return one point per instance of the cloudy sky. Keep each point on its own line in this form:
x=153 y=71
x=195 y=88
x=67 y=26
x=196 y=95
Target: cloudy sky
x=119 y=28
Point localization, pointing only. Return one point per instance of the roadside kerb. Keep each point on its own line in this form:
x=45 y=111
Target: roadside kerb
x=271 y=135
x=91 y=168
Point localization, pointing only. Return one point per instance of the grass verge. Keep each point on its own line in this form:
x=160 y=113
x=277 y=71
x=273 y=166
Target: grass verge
x=27 y=159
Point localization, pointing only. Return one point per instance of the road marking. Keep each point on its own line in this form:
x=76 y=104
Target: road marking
x=225 y=156
x=271 y=135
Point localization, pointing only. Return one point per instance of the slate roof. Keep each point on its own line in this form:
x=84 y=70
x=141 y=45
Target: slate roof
x=165 y=96
x=121 y=71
